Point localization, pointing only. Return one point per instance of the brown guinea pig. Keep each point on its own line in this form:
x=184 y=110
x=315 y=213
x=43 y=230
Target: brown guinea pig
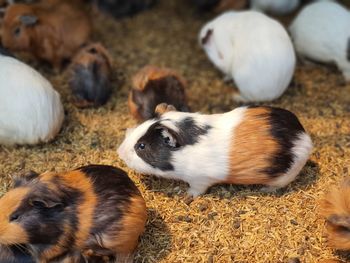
x=152 y=86
x=51 y=30
x=93 y=212
x=335 y=207
x=90 y=76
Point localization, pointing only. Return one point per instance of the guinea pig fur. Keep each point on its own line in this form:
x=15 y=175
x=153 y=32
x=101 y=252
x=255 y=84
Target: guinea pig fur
x=249 y=145
x=13 y=254
x=152 y=86
x=276 y=7
x=321 y=33
x=50 y=30
x=31 y=111
x=93 y=212
x=335 y=208
x=263 y=71
x=90 y=80
x=219 y=6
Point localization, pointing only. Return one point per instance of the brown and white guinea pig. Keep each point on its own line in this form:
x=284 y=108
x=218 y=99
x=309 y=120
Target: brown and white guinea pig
x=335 y=208
x=152 y=86
x=95 y=213
x=51 y=30
x=219 y=6
x=249 y=145
x=90 y=76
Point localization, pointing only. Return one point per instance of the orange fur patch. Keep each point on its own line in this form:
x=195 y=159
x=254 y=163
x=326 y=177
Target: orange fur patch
x=133 y=108
x=12 y=233
x=337 y=203
x=251 y=148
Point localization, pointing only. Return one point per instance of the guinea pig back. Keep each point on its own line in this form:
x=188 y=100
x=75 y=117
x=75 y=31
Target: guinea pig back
x=152 y=86
x=93 y=211
x=335 y=208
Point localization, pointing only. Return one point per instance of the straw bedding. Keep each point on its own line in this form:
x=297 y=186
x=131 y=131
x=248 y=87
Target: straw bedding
x=229 y=223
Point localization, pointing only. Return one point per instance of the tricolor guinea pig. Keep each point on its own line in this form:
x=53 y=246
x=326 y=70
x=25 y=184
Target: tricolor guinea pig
x=51 y=30
x=152 y=86
x=92 y=214
x=335 y=208
x=90 y=76
x=321 y=33
x=219 y=5
x=31 y=111
x=249 y=145
x=277 y=7
x=253 y=50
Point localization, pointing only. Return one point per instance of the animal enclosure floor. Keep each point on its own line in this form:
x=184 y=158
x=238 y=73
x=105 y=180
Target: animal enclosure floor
x=229 y=223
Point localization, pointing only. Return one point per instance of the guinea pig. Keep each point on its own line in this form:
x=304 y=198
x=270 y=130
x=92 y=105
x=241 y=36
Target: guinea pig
x=93 y=212
x=219 y=6
x=50 y=30
x=15 y=254
x=318 y=39
x=122 y=8
x=31 y=111
x=276 y=7
x=335 y=208
x=253 y=50
x=152 y=86
x=90 y=76
x=249 y=145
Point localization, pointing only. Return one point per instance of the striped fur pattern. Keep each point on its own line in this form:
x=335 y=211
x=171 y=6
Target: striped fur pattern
x=94 y=212
x=249 y=145
x=335 y=208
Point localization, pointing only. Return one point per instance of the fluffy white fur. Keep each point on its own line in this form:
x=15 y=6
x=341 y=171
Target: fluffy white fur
x=254 y=50
x=30 y=109
x=278 y=7
x=321 y=32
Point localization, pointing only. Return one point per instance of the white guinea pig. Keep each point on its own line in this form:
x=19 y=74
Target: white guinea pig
x=321 y=32
x=249 y=145
x=30 y=109
x=277 y=7
x=254 y=50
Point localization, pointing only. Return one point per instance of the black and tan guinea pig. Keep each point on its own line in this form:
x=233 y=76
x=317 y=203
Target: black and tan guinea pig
x=335 y=208
x=90 y=76
x=92 y=214
x=219 y=6
x=122 y=8
x=152 y=86
x=249 y=145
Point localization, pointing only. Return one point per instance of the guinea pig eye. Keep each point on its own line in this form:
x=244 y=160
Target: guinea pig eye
x=17 y=31
x=141 y=146
x=14 y=217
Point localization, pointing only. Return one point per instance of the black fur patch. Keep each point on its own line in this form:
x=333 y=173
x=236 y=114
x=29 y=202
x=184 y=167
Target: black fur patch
x=285 y=128
x=121 y=8
x=5 y=52
x=157 y=152
x=167 y=90
x=205 y=5
x=348 y=50
x=13 y=254
x=207 y=36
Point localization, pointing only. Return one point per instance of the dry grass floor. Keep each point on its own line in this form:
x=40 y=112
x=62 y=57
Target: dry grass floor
x=229 y=223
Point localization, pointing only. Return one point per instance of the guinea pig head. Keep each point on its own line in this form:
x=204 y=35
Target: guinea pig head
x=32 y=212
x=19 y=21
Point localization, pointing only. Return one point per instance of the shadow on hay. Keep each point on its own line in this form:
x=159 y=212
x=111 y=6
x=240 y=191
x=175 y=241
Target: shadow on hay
x=155 y=243
x=308 y=176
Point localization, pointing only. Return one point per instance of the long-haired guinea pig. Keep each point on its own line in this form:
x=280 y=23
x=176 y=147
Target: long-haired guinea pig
x=90 y=76
x=321 y=32
x=249 y=145
x=277 y=7
x=219 y=5
x=335 y=208
x=253 y=50
x=95 y=211
x=31 y=111
x=50 y=30
x=122 y=8
x=152 y=86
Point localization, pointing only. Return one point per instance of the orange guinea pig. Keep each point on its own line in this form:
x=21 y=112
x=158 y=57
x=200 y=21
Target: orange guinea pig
x=92 y=214
x=152 y=86
x=51 y=30
x=335 y=207
x=90 y=76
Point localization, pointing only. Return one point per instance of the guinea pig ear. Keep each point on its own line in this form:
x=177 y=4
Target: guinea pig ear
x=41 y=203
x=20 y=180
x=170 y=137
x=163 y=108
x=28 y=20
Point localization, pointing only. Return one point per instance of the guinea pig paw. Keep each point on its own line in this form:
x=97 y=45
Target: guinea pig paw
x=196 y=191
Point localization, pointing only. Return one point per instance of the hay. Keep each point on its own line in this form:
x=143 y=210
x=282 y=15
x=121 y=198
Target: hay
x=229 y=223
